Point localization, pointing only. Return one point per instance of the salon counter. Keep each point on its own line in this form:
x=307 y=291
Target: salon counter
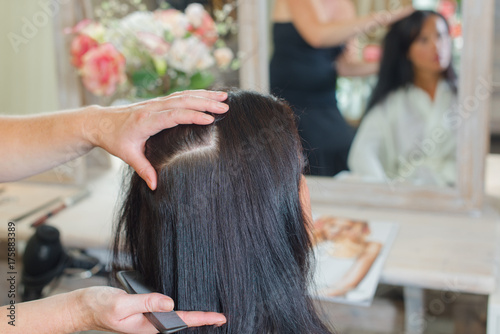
x=87 y=224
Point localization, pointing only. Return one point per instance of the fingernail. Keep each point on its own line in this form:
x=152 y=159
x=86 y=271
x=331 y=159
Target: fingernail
x=167 y=304
x=222 y=106
x=222 y=94
x=218 y=324
x=208 y=118
x=150 y=183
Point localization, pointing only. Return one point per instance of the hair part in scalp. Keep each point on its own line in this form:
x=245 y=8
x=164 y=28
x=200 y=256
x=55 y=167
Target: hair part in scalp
x=396 y=70
x=224 y=231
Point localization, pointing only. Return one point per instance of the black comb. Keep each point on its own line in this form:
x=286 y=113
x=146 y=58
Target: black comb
x=165 y=322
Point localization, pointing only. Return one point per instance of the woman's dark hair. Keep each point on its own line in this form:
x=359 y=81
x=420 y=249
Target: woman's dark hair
x=224 y=231
x=396 y=70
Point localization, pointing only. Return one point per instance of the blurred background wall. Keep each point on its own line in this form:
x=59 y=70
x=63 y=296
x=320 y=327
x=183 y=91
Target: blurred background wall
x=27 y=60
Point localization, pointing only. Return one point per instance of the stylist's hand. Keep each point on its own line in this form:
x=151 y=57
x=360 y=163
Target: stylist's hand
x=123 y=131
x=111 y=309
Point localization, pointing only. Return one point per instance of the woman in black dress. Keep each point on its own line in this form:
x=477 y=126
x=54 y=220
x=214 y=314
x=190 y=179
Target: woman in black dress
x=309 y=38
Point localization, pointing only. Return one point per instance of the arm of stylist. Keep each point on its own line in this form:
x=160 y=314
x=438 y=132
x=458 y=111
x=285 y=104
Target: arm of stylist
x=97 y=308
x=319 y=31
x=36 y=143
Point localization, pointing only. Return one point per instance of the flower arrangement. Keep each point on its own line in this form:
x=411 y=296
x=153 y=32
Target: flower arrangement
x=148 y=54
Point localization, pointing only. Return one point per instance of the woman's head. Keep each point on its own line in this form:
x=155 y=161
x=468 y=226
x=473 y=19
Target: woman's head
x=430 y=51
x=225 y=231
x=417 y=44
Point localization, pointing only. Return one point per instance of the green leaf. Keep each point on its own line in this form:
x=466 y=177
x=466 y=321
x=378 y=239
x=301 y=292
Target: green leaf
x=144 y=78
x=220 y=43
x=201 y=80
x=235 y=64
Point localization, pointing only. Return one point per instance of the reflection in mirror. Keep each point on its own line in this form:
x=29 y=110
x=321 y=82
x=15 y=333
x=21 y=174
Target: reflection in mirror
x=408 y=140
x=309 y=36
x=407 y=134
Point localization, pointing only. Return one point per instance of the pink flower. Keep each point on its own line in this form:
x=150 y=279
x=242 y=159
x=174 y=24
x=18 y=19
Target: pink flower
x=201 y=24
x=80 y=45
x=103 y=69
x=172 y=20
x=94 y=30
x=447 y=8
x=166 y=15
x=154 y=44
x=456 y=29
x=78 y=27
x=372 y=53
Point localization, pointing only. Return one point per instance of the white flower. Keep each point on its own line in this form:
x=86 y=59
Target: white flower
x=125 y=43
x=140 y=22
x=205 y=61
x=174 y=21
x=194 y=13
x=95 y=30
x=227 y=8
x=223 y=56
x=153 y=43
x=189 y=55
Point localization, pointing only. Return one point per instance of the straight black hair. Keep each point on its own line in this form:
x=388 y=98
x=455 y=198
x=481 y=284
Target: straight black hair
x=396 y=70
x=225 y=231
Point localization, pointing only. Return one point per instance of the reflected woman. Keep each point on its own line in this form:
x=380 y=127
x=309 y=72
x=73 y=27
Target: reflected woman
x=312 y=45
x=407 y=134
x=226 y=229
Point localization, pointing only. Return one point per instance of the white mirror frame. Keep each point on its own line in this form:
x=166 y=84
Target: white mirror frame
x=253 y=41
x=473 y=114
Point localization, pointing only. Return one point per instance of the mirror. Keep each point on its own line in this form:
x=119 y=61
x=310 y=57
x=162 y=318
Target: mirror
x=406 y=136
x=470 y=123
x=470 y=118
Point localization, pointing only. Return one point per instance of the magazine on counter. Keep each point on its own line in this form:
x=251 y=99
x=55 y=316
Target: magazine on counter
x=349 y=257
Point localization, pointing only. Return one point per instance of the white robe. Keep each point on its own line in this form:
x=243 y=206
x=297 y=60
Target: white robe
x=408 y=138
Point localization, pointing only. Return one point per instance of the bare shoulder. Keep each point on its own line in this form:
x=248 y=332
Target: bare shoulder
x=281 y=11
x=284 y=10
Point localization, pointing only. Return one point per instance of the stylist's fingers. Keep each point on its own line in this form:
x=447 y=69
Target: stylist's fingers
x=150 y=302
x=131 y=126
x=143 y=167
x=209 y=94
x=153 y=123
x=156 y=302
x=170 y=118
x=197 y=319
x=112 y=309
x=195 y=100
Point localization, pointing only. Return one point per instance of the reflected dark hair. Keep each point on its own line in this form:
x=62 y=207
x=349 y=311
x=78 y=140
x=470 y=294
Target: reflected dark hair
x=396 y=70
x=225 y=231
